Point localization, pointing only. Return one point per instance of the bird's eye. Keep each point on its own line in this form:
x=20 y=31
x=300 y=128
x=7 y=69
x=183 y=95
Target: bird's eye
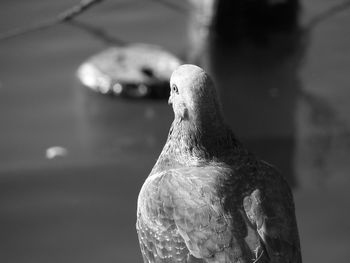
x=175 y=89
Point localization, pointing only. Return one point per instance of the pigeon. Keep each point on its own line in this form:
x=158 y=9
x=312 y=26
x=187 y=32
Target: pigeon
x=207 y=198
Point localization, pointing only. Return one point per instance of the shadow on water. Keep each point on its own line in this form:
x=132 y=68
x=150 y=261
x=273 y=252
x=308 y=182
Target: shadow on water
x=254 y=57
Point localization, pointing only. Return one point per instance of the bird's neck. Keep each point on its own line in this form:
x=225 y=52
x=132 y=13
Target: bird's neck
x=192 y=143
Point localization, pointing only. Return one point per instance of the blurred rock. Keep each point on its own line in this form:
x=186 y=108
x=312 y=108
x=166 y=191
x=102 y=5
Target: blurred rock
x=132 y=71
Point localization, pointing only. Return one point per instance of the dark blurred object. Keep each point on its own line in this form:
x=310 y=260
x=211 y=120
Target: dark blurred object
x=254 y=16
x=253 y=50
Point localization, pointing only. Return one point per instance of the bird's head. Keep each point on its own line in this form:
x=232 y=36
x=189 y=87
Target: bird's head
x=192 y=94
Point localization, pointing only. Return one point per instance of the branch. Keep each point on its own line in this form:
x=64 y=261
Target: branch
x=97 y=32
x=170 y=5
x=65 y=16
x=328 y=13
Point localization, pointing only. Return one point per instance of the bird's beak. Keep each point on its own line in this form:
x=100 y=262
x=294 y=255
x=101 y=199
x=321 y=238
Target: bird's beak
x=170 y=100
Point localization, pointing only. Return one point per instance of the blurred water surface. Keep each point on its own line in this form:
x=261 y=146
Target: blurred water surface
x=285 y=94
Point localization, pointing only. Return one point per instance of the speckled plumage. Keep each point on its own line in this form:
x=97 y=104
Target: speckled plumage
x=207 y=198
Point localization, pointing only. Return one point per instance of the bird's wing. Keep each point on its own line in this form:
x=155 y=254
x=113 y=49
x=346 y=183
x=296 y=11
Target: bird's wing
x=180 y=213
x=158 y=236
x=271 y=212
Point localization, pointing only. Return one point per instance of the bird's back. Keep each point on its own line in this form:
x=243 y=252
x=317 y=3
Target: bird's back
x=219 y=213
